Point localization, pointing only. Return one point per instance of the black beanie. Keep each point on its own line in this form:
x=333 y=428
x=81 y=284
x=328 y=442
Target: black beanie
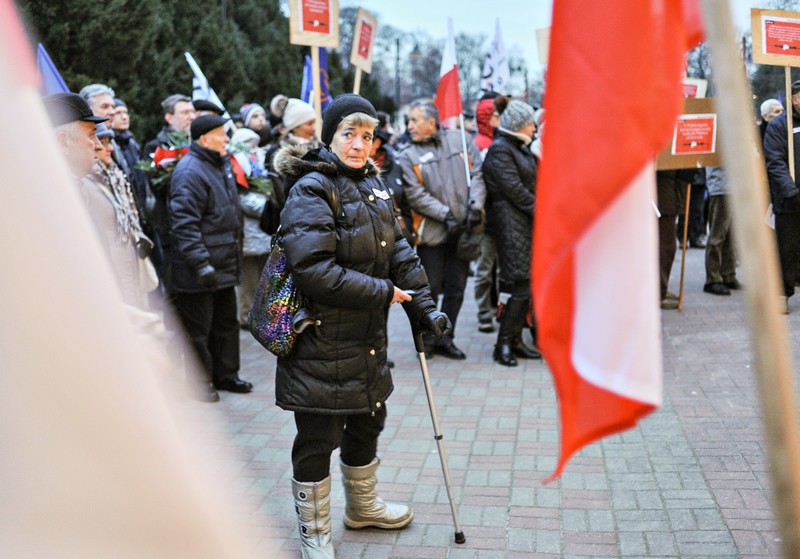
x=343 y=106
x=205 y=124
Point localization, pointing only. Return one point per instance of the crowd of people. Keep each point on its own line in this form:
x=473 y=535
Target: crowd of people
x=368 y=216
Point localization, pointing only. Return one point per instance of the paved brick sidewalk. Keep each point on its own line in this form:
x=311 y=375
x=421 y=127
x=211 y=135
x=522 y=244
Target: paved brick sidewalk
x=691 y=481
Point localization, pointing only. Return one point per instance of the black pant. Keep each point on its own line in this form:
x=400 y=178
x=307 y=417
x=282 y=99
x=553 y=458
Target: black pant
x=211 y=322
x=787 y=230
x=318 y=435
x=447 y=275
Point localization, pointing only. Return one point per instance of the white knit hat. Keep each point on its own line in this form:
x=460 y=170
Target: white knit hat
x=296 y=113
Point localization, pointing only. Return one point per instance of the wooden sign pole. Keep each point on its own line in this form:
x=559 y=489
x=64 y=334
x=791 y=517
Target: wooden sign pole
x=755 y=244
x=317 y=88
x=685 y=244
x=357 y=83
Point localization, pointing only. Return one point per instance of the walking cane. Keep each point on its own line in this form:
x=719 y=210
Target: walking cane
x=420 y=346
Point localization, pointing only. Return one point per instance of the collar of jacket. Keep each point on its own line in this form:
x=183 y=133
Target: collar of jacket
x=521 y=138
x=435 y=139
x=208 y=155
x=294 y=162
x=123 y=138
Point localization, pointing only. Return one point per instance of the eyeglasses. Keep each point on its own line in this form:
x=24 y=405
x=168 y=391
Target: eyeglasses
x=105 y=141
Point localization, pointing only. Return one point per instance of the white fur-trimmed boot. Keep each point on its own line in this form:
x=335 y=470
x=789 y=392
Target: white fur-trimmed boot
x=364 y=507
x=312 y=503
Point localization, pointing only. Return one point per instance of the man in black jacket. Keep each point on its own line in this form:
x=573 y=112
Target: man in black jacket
x=783 y=188
x=205 y=220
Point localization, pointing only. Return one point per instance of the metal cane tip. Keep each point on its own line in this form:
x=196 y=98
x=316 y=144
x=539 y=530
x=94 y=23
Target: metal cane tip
x=460 y=537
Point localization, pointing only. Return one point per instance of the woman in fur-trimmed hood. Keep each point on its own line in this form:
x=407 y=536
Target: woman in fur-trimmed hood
x=351 y=262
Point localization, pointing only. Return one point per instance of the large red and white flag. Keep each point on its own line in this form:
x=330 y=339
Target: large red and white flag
x=613 y=94
x=448 y=94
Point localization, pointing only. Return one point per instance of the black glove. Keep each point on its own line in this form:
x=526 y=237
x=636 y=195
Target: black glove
x=436 y=323
x=792 y=203
x=475 y=218
x=144 y=247
x=452 y=226
x=207 y=276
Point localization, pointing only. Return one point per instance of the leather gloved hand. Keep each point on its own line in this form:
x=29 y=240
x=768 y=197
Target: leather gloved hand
x=207 y=276
x=144 y=247
x=792 y=203
x=437 y=323
x=452 y=226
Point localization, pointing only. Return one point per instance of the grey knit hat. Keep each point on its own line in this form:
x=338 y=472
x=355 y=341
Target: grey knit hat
x=516 y=116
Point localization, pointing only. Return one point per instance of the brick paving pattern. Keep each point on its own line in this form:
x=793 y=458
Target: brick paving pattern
x=691 y=481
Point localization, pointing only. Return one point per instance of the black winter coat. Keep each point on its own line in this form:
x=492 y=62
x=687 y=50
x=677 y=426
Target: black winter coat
x=783 y=190
x=509 y=172
x=346 y=253
x=205 y=219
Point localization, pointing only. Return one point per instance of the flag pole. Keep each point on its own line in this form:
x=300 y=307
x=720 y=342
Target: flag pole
x=317 y=89
x=756 y=248
x=466 y=154
x=357 y=82
x=787 y=73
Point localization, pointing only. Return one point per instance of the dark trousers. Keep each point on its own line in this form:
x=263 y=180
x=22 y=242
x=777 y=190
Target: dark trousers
x=787 y=230
x=211 y=323
x=720 y=256
x=667 y=245
x=318 y=435
x=447 y=275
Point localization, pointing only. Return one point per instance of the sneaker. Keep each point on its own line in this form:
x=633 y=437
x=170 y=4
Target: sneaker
x=784 y=306
x=485 y=325
x=732 y=284
x=671 y=295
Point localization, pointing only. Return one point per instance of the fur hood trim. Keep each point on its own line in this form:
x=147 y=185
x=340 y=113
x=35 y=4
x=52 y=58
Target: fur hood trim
x=295 y=161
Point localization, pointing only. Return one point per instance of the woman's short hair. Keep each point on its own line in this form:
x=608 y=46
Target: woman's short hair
x=357 y=119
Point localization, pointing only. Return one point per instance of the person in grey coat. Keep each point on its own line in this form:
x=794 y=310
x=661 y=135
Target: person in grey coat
x=720 y=256
x=436 y=188
x=350 y=261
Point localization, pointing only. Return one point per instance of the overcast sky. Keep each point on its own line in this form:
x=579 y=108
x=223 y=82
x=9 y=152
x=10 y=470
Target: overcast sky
x=519 y=19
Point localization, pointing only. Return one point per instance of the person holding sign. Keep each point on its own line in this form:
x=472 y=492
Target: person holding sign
x=783 y=189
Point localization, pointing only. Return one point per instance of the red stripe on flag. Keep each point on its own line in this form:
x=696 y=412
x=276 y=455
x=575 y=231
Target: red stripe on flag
x=448 y=95
x=15 y=42
x=613 y=93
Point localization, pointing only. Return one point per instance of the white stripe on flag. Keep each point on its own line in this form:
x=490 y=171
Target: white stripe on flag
x=617 y=325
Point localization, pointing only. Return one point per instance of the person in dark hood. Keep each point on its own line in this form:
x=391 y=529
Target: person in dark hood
x=351 y=262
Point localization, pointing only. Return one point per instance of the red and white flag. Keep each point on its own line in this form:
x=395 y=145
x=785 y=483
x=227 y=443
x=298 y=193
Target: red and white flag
x=613 y=94
x=448 y=94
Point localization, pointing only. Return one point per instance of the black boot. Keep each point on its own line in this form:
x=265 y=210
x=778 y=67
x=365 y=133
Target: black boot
x=520 y=349
x=503 y=352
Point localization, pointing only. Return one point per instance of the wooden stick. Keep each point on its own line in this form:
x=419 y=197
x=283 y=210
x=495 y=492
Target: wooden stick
x=357 y=82
x=685 y=244
x=789 y=118
x=756 y=247
x=317 y=89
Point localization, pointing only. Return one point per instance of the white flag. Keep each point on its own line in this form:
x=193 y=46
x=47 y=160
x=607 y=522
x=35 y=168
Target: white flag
x=200 y=87
x=495 y=74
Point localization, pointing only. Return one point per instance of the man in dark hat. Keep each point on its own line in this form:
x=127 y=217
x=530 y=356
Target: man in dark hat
x=205 y=220
x=127 y=149
x=203 y=107
x=785 y=192
x=75 y=124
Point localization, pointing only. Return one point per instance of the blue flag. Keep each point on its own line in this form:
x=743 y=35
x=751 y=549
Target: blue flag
x=307 y=87
x=52 y=82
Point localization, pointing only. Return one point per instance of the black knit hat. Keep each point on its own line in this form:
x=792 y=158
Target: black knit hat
x=205 y=124
x=343 y=106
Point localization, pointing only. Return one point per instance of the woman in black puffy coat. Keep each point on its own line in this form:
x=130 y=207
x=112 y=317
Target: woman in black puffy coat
x=509 y=171
x=350 y=261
